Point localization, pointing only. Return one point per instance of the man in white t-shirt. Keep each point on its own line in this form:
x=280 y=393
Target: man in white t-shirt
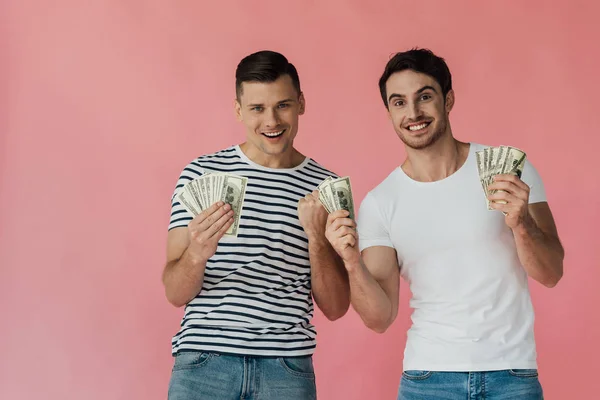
x=467 y=267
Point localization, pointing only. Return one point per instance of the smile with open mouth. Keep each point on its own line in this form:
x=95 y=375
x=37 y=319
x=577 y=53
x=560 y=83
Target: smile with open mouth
x=273 y=135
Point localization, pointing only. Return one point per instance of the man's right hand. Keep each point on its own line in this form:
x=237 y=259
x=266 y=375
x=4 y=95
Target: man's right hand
x=206 y=229
x=341 y=233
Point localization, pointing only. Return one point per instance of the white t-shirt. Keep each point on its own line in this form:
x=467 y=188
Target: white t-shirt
x=472 y=308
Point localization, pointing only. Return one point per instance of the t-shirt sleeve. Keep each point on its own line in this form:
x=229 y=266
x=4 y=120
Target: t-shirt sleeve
x=372 y=227
x=537 y=192
x=180 y=217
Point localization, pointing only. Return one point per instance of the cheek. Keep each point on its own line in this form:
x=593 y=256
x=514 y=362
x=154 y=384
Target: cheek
x=397 y=119
x=252 y=123
x=290 y=119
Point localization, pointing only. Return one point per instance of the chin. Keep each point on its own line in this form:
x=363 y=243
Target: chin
x=421 y=142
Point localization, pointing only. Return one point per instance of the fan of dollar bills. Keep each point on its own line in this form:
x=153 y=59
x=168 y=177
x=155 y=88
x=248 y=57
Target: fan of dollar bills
x=493 y=161
x=336 y=194
x=201 y=193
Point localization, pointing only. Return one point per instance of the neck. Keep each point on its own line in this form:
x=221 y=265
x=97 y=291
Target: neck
x=437 y=161
x=288 y=159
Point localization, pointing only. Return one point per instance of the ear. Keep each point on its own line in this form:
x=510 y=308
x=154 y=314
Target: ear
x=449 y=101
x=302 y=102
x=237 y=108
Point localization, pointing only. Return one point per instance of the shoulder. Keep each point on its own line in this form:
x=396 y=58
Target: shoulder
x=199 y=164
x=387 y=185
x=315 y=168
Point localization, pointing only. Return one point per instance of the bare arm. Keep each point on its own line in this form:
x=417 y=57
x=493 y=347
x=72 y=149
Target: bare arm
x=329 y=280
x=374 y=277
x=536 y=237
x=538 y=245
x=374 y=284
x=188 y=250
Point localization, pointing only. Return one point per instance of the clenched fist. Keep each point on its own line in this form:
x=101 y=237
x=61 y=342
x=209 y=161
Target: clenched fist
x=312 y=215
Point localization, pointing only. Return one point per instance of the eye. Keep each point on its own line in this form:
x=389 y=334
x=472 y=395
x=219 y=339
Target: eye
x=398 y=103
x=257 y=109
x=426 y=97
x=284 y=105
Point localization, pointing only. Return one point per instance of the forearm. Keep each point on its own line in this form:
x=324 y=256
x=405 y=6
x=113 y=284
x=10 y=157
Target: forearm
x=368 y=298
x=329 y=280
x=183 y=279
x=540 y=254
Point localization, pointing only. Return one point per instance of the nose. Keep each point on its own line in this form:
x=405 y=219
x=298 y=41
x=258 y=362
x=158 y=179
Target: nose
x=271 y=118
x=413 y=111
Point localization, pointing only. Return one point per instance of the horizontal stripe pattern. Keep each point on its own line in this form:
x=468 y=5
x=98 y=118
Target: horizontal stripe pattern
x=256 y=296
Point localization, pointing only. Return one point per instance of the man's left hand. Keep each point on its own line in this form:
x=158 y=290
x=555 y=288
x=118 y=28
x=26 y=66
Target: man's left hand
x=312 y=215
x=515 y=194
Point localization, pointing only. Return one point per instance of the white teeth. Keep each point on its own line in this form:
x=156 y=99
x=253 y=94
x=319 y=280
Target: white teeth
x=272 y=134
x=418 y=127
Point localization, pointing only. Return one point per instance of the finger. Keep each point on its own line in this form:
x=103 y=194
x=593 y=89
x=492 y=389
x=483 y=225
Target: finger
x=219 y=224
x=511 y=178
x=341 y=238
x=349 y=241
x=501 y=206
x=223 y=229
x=198 y=219
x=339 y=214
x=346 y=230
x=503 y=185
x=517 y=197
x=343 y=222
x=348 y=238
x=215 y=216
x=331 y=218
x=510 y=188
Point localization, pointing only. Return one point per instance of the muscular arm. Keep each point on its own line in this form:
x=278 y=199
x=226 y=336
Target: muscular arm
x=188 y=250
x=374 y=285
x=536 y=238
x=184 y=274
x=538 y=245
x=329 y=279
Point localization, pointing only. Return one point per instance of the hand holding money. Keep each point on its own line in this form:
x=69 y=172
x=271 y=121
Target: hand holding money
x=510 y=195
x=205 y=230
x=340 y=230
x=200 y=194
x=336 y=194
x=501 y=160
x=341 y=233
x=312 y=216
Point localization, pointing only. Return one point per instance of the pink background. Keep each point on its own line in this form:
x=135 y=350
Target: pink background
x=102 y=103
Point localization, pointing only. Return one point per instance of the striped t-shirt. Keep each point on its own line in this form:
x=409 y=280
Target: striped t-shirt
x=256 y=296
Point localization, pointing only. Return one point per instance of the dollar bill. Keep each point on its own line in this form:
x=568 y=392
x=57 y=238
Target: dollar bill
x=336 y=194
x=493 y=161
x=323 y=196
x=342 y=195
x=233 y=191
x=188 y=202
x=199 y=194
x=205 y=192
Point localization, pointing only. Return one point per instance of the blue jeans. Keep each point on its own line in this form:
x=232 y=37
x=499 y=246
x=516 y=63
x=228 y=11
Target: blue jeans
x=210 y=376
x=519 y=384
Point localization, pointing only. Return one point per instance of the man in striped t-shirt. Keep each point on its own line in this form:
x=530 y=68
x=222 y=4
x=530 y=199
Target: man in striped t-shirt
x=246 y=332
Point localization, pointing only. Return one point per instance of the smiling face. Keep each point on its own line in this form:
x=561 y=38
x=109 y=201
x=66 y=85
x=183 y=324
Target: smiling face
x=270 y=112
x=417 y=108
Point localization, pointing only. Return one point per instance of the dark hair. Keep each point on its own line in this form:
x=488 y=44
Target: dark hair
x=264 y=66
x=418 y=60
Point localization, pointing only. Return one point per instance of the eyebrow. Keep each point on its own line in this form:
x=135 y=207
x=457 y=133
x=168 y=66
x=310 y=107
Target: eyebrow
x=424 y=88
x=262 y=105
